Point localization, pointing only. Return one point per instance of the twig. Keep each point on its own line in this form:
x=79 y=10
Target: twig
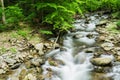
x=56 y=40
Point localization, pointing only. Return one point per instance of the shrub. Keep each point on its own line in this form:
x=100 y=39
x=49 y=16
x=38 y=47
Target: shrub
x=13 y=14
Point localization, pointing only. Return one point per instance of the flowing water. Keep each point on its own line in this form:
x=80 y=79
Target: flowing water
x=72 y=60
x=75 y=55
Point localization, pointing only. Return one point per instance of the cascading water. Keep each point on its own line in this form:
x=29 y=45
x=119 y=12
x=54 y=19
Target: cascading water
x=74 y=55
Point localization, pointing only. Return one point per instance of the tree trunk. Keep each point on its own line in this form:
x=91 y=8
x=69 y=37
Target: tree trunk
x=3 y=12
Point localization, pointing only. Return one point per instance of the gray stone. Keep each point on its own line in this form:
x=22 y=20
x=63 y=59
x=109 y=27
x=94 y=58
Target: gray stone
x=30 y=77
x=36 y=61
x=39 y=46
x=15 y=66
x=10 y=61
x=89 y=50
x=102 y=22
x=101 y=61
x=77 y=36
x=107 y=46
x=2 y=71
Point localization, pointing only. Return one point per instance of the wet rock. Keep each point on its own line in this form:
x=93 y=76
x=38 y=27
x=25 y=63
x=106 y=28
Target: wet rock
x=28 y=64
x=47 y=45
x=10 y=61
x=77 y=36
x=39 y=46
x=52 y=40
x=63 y=49
x=52 y=62
x=101 y=61
x=102 y=22
x=30 y=77
x=14 y=78
x=37 y=62
x=15 y=66
x=73 y=30
x=56 y=45
x=107 y=46
x=102 y=38
x=89 y=50
x=22 y=74
x=97 y=54
x=3 y=65
x=90 y=36
x=118 y=58
x=39 y=70
x=2 y=71
x=100 y=76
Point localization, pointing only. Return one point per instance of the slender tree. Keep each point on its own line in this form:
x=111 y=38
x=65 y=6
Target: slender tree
x=3 y=12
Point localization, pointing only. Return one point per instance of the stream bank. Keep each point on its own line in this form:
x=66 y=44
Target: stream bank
x=27 y=63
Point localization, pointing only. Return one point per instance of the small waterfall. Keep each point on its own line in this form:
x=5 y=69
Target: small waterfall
x=74 y=56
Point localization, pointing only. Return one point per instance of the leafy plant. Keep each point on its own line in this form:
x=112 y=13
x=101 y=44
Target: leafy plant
x=92 y=5
x=13 y=14
x=2 y=27
x=59 y=14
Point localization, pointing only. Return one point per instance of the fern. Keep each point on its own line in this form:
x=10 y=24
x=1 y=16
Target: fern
x=60 y=13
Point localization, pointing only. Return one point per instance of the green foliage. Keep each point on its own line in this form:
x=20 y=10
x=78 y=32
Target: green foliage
x=13 y=14
x=116 y=15
x=46 y=32
x=92 y=5
x=2 y=50
x=1 y=11
x=22 y=33
x=59 y=14
x=118 y=24
x=2 y=27
x=13 y=50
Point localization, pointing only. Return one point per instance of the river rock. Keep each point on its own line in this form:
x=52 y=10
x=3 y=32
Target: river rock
x=107 y=46
x=36 y=61
x=77 y=36
x=102 y=22
x=30 y=77
x=2 y=71
x=102 y=38
x=101 y=61
x=15 y=66
x=90 y=36
x=39 y=46
x=89 y=50
x=10 y=61
x=118 y=58
x=13 y=78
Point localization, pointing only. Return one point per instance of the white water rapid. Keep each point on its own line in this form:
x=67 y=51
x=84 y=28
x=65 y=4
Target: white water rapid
x=78 y=48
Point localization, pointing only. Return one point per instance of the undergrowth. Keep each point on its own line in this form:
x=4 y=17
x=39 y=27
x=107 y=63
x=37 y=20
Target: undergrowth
x=58 y=13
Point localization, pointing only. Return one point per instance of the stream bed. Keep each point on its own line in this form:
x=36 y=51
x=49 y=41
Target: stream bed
x=74 y=59
x=84 y=55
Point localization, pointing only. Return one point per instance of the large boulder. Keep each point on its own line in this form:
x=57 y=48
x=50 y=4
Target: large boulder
x=101 y=61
